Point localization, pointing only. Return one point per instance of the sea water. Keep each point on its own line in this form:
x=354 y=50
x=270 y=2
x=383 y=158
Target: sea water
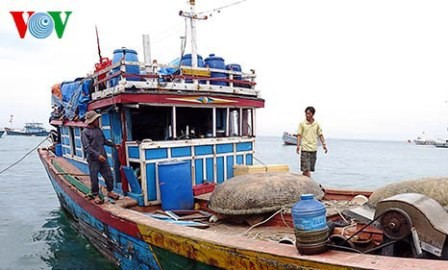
x=36 y=234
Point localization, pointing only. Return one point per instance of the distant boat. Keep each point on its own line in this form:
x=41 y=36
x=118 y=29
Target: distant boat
x=289 y=139
x=1 y=132
x=423 y=141
x=441 y=144
x=30 y=129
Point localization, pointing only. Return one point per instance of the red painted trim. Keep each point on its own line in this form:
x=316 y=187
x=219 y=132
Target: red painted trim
x=95 y=210
x=68 y=123
x=165 y=99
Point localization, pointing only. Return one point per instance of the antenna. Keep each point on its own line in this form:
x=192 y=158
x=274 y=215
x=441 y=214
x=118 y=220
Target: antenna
x=98 y=43
x=193 y=16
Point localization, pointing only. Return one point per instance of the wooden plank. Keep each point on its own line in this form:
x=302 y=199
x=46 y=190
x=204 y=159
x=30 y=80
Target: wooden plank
x=73 y=180
x=195 y=72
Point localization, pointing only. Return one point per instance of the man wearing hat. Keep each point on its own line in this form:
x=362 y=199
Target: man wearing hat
x=93 y=140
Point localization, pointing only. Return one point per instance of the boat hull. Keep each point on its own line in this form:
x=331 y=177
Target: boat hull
x=133 y=241
x=11 y=132
x=289 y=139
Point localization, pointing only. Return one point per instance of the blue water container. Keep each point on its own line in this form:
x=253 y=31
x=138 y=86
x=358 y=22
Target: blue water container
x=309 y=214
x=186 y=60
x=310 y=225
x=130 y=56
x=216 y=62
x=237 y=68
x=58 y=150
x=176 y=189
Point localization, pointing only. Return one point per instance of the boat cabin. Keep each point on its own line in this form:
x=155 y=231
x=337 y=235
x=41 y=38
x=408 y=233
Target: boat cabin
x=188 y=115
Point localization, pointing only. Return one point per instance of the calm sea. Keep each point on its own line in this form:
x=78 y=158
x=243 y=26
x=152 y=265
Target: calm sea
x=35 y=234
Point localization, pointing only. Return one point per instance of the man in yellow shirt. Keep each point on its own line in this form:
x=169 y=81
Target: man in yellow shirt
x=309 y=131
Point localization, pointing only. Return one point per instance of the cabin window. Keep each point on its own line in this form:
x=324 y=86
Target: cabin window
x=151 y=122
x=221 y=122
x=72 y=141
x=178 y=123
x=194 y=123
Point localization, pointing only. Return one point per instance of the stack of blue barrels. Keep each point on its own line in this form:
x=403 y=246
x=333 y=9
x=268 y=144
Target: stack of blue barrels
x=310 y=225
x=129 y=56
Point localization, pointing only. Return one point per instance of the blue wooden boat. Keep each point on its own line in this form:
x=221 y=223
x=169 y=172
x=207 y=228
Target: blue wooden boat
x=203 y=117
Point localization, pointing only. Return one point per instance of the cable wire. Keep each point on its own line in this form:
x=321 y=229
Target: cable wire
x=22 y=158
x=215 y=10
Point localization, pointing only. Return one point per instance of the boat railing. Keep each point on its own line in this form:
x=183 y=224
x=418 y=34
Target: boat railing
x=210 y=159
x=114 y=79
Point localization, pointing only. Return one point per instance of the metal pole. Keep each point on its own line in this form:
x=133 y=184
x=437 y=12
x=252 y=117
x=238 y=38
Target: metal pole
x=174 y=122
x=146 y=49
x=194 y=53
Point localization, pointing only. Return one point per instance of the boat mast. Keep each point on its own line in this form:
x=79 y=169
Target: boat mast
x=193 y=16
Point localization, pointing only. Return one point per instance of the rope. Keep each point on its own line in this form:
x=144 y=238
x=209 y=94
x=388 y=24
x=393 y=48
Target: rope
x=262 y=163
x=264 y=221
x=22 y=158
x=283 y=219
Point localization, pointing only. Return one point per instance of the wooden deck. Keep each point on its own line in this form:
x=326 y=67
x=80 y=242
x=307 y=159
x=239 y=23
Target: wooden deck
x=224 y=244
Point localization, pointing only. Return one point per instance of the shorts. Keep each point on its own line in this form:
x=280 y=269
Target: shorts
x=307 y=161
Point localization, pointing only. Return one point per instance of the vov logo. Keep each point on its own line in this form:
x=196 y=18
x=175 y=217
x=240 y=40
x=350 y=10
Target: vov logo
x=41 y=24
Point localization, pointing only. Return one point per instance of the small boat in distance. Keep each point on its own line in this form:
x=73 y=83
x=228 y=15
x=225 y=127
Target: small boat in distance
x=421 y=141
x=424 y=140
x=289 y=139
x=1 y=133
x=441 y=143
x=30 y=129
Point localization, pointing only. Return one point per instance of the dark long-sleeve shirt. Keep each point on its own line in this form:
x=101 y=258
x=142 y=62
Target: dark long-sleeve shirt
x=93 y=141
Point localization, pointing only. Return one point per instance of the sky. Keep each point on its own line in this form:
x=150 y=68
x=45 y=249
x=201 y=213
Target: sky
x=372 y=69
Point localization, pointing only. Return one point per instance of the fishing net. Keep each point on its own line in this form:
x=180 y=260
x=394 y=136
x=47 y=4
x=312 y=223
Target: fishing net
x=261 y=193
x=436 y=188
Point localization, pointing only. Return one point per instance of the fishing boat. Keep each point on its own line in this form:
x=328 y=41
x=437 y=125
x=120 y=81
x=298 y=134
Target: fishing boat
x=181 y=135
x=289 y=139
x=441 y=143
x=424 y=140
x=30 y=129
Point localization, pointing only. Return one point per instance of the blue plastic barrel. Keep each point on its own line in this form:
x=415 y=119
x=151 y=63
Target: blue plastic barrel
x=176 y=189
x=129 y=56
x=58 y=150
x=186 y=60
x=237 y=68
x=310 y=225
x=216 y=62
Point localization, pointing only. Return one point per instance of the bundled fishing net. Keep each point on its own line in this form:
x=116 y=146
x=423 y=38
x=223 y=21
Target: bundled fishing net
x=261 y=193
x=436 y=188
